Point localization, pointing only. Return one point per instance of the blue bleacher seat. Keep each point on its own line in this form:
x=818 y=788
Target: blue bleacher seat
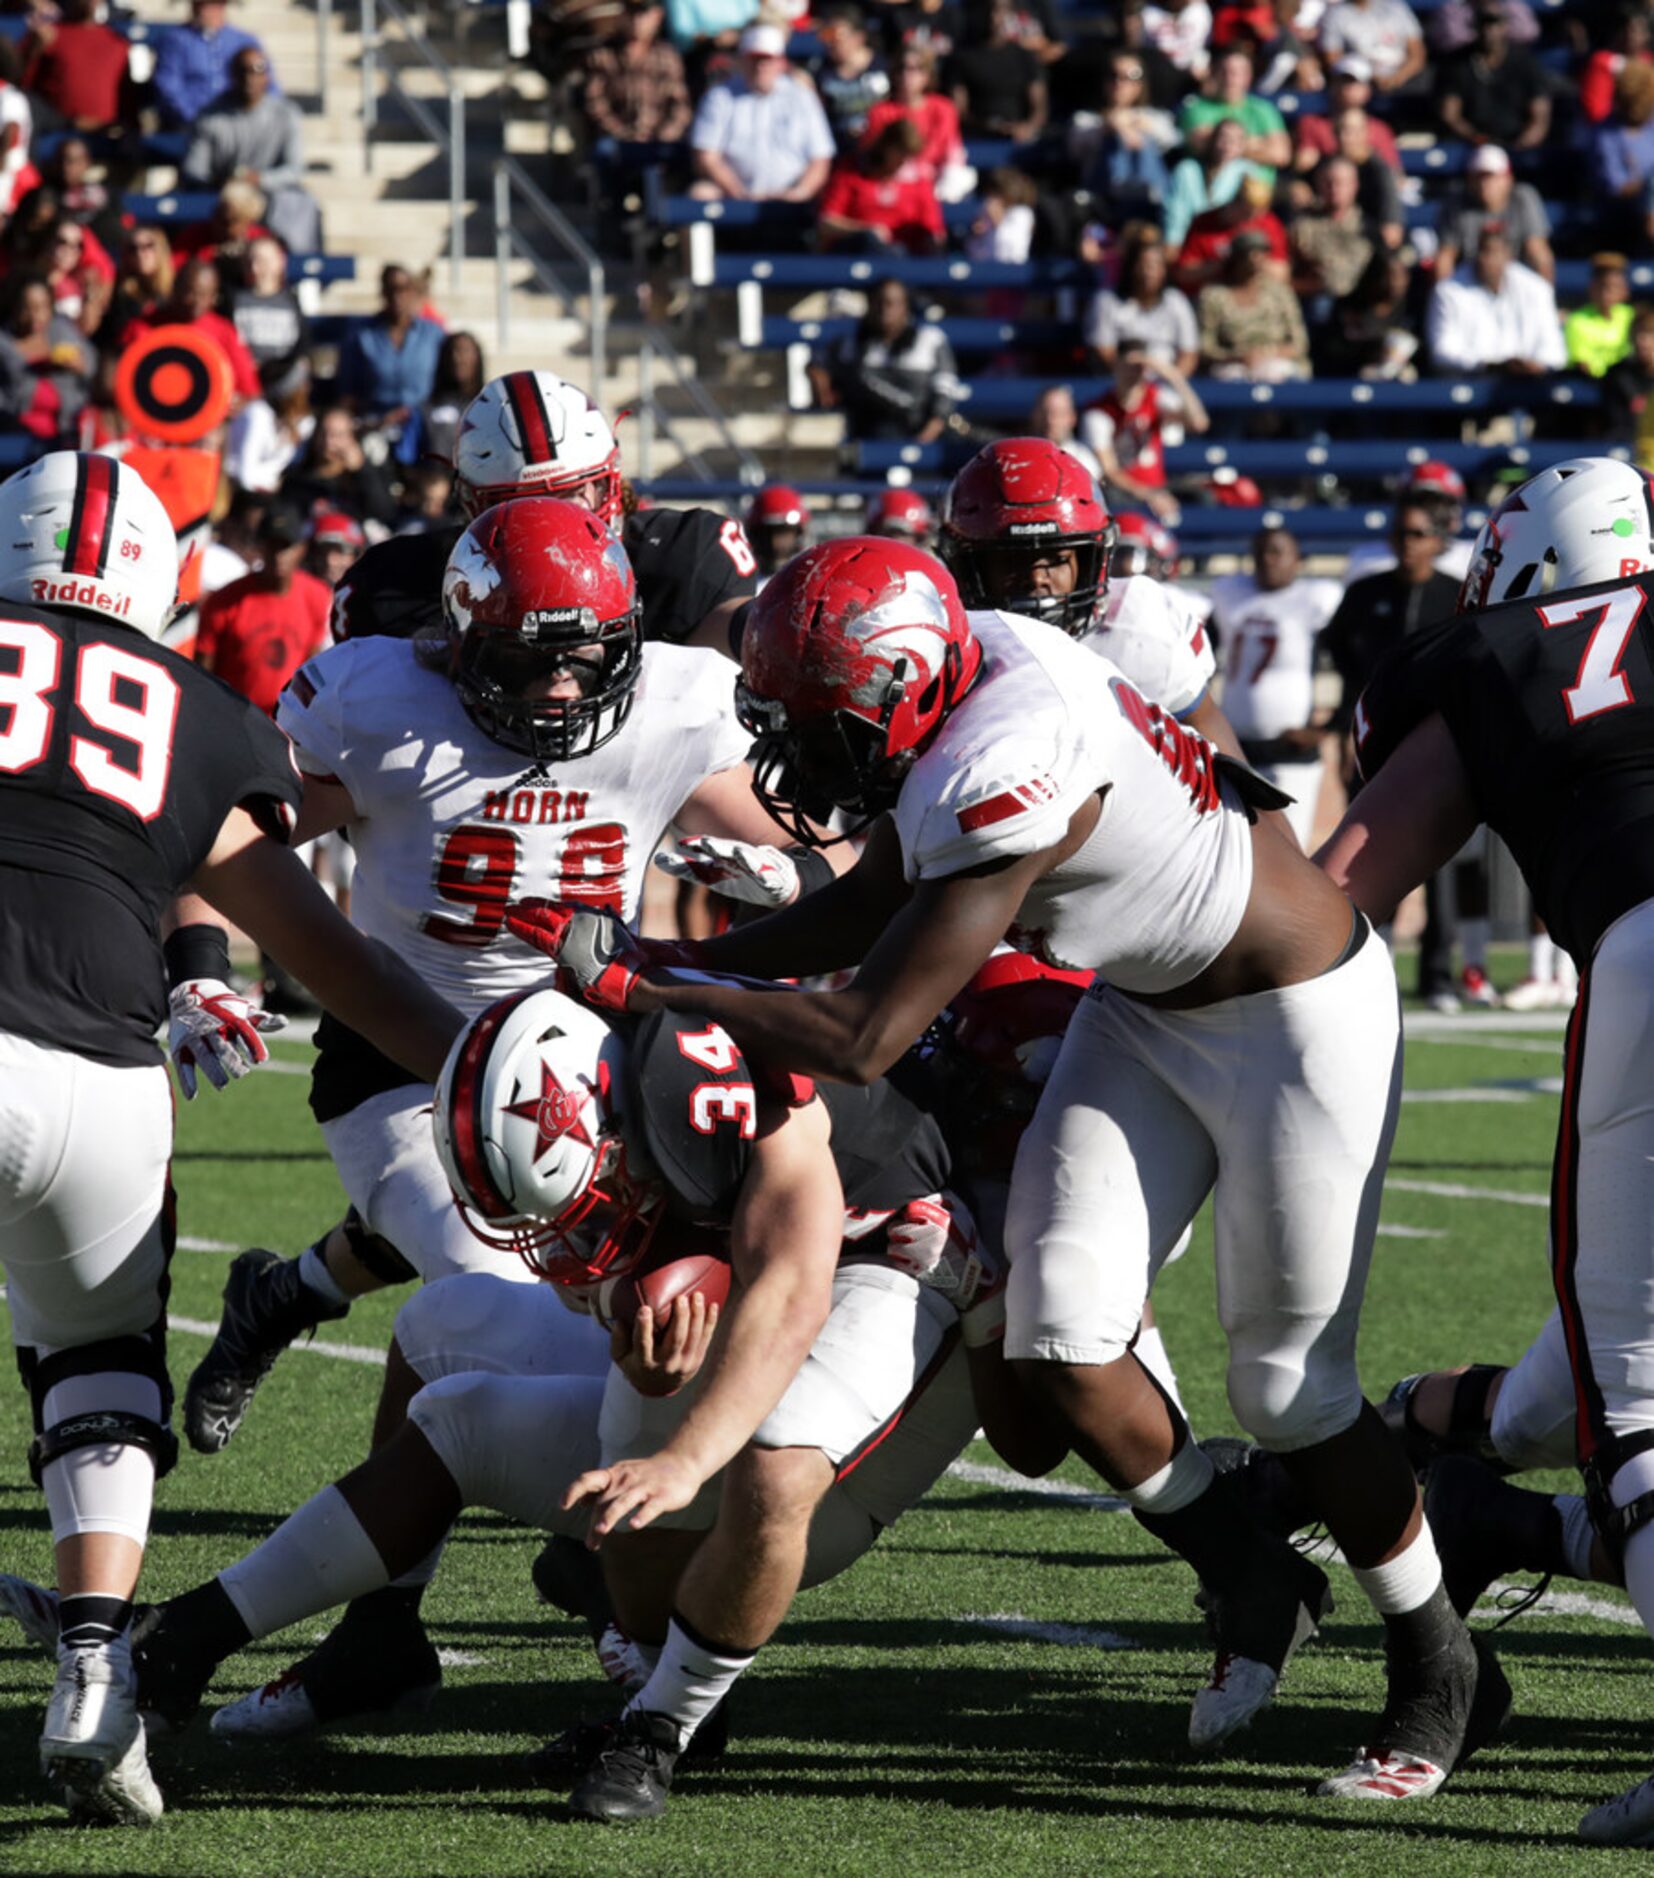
x=999 y=398
x=814 y=272
x=1355 y=462
x=161 y=146
x=186 y=205
x=965 y=335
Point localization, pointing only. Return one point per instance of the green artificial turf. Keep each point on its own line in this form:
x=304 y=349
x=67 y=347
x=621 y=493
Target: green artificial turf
x=911 y=1717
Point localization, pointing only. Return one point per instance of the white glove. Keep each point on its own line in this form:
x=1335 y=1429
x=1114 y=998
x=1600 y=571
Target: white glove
x=740 y=870
x=217 y=1031
x=935 y=1241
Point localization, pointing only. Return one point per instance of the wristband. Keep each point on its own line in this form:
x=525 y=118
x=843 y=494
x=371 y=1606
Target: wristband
x=198 y=951
x=814 y=869
x=983 y=1323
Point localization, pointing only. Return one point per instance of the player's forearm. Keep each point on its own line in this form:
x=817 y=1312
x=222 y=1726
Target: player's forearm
x=768 y=1329
x=834 y=1034
x=827 y=930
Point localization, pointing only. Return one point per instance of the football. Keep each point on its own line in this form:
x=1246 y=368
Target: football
x=660 y=1285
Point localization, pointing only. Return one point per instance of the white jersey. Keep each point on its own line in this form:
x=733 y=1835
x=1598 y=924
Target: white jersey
x=1269 y=651
x=451 y=826
x=1159 y=641
x=1156 y=892
x=1378 y=557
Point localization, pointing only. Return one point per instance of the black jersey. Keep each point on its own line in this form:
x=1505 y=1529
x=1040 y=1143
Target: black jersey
x=1550 y=704
x=690 y=1104
x=395 y=587
x=119 y=761
x=687 y=562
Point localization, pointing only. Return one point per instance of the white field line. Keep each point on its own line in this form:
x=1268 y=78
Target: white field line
x=1387 y=1231
x=979 y=1475
x=1489 y=1092
x=1468 y=1025
x=1573 y=1604
x=1541 y=1046
x=188 y=1244
x=345 y=1352
x=1032 y=1630
x=1446 y=1190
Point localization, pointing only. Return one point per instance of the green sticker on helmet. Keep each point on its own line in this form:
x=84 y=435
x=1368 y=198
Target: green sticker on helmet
x=61 y=538
x=1623 y=526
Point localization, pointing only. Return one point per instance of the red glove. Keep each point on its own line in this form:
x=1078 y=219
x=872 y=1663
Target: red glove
x=598 y=957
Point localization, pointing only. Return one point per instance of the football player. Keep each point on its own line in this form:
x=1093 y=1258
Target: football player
x=1246 y=1043
x=901 y=515
x=1534 y=713
x=1024 y=529
x=1268 y=621
x=552 y=746
x=126 y=775
x=574 y=1142
x=778 y=526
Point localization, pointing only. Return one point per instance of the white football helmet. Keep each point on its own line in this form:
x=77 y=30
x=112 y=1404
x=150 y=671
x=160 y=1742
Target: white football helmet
x=86 y=533
x=533 y=433
x=1589 y=519
x=527 y=1130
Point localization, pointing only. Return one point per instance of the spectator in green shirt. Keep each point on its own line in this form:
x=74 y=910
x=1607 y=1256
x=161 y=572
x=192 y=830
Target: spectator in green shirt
x=1228 y=93
x=1598 y=334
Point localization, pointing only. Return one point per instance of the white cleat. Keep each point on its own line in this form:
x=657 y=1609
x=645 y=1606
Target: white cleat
x=93 y=1742
x=33 y=1608
x=1240 y=1689
x=277 y=1712
x=621 y=1660
x=1538 y=994
x=1629 y=1820
x=1385 y=1777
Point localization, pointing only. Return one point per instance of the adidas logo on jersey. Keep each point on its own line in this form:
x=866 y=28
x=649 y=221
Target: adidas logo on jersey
x=80 y=593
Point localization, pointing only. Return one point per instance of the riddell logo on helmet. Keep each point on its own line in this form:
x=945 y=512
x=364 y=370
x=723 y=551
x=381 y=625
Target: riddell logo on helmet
x=1034 y=528
x=80 y=593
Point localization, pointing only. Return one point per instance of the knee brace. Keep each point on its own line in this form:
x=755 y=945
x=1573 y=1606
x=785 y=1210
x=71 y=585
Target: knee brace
x=141 y=1355
x=377 y=1255
x=1469 y=1426
x=1615 y=1525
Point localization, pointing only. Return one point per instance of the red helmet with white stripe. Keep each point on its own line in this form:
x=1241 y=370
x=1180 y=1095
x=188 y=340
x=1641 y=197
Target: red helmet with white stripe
x=534 y=434
x=778 y=525
x=544 y=628
x=1025 y=528
x=1143 y=547
x=851 y=658
x=900 y=515
x=86 y=533
x=528 y=1132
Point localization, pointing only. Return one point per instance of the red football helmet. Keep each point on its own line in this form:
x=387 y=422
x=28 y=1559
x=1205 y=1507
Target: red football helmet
x=544 y=627
x=1013 y=505
x=851 y=658
x=1143 y=547
x=778 y=525
x=1434 y=478
x=900 y=515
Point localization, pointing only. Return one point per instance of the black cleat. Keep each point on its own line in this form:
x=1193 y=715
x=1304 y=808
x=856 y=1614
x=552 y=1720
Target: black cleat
x=569 y=1576
x=1439 y=1712
x=562 y=1760
x=375 y=1661
x=170 y=1673
x=1480 y=1524
x=266 y=1306
x=632 y=1773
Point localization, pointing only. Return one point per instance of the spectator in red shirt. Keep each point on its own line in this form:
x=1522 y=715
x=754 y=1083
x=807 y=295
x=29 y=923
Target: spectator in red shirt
x=941 y=146
x=1212 y=234
x=882 y=198
x=228 y=233
x=78 y=69
x=1126 y=429
x=256 y=632
x=1630 y=45
x=1349 y=88
x=194 y=302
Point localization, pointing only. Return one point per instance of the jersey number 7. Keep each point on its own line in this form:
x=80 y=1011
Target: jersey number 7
x=1599 y=685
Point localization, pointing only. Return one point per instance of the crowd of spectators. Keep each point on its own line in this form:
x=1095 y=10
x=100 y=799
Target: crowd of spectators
x=1236 y=175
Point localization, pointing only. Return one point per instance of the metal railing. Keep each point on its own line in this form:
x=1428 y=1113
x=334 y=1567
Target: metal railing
x=449 y=137
x=512 y=181
x=324 y=82
x=655 y=349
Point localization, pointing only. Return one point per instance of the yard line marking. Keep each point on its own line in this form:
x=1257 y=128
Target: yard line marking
x=1543 y=1046
x=979 y=1475
x=1466 y=1025
x=188 y=1244
x=1446 y=1190
x=1488 y=1092
x=345 y=1352
x=1387 y=1231
x=459 y=1659
x=1032 y=1630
